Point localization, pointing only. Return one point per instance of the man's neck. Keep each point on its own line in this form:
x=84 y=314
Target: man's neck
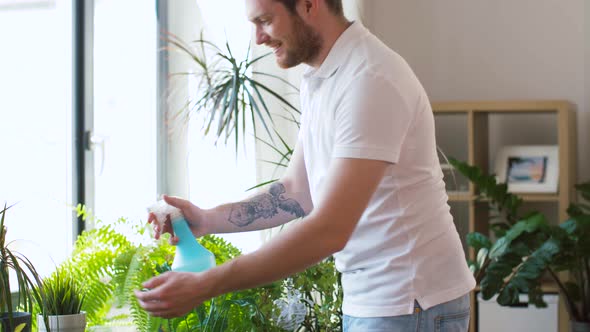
x=330 y=33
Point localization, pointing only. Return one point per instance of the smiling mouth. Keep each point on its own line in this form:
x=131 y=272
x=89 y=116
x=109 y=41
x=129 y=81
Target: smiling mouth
x=275 y=47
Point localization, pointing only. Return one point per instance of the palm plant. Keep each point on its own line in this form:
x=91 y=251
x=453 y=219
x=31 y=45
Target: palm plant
x=27 y=281
x=227 y=91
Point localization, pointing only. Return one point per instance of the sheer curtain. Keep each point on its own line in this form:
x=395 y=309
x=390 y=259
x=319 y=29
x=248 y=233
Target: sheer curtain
x=215 y=174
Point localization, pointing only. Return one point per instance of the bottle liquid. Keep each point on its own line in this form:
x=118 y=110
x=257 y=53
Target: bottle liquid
x=190 y=255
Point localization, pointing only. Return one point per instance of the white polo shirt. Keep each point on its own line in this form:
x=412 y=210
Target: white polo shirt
x=364 y=101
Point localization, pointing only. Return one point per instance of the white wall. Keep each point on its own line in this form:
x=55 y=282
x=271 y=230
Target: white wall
x=495 y=50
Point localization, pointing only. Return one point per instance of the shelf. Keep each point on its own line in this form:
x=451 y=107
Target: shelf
x=526 y=198
x=531 y=106
x=474 y=131
x=546 y=287
x=466 y=197
x=539 y=197
x=460 y=197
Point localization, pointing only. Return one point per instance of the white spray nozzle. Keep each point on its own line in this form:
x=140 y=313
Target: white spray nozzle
x=161 y=209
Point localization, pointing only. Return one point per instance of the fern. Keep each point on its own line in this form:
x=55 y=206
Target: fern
x=111 y=267
x=92 y=262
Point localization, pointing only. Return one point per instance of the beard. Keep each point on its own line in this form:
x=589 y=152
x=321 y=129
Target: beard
x=302 y=46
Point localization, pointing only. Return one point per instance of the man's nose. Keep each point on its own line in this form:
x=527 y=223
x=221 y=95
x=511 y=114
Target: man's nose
x=261 y=36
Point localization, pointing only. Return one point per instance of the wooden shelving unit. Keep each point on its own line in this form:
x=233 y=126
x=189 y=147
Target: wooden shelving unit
x=465 y=131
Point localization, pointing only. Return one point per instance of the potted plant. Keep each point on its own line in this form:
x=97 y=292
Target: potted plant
x=529 y=249
x=228 y=93
x=27 y=282
x=111 y=267
x=62 y=303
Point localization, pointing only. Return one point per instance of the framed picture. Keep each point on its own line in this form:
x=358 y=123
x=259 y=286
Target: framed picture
x=528 y=168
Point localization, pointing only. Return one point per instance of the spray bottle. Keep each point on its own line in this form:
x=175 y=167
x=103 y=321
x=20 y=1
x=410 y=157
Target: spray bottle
x=190 y=255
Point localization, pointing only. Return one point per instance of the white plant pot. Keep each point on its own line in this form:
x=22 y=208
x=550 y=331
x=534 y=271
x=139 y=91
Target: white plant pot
x=65 y=323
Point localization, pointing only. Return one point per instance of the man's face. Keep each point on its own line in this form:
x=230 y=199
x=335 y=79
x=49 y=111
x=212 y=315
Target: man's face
x=292 y=40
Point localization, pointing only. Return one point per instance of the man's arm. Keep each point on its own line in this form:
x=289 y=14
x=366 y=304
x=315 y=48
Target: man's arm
x=278 y=203
x=326 y=230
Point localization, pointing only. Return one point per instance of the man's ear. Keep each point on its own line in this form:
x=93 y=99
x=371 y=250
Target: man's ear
x=309 y=7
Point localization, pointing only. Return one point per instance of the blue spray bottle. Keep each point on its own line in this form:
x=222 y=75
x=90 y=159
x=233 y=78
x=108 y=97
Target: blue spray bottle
x=190 y=255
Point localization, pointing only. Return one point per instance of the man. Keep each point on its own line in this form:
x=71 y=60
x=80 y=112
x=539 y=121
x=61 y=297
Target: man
x=364 y=176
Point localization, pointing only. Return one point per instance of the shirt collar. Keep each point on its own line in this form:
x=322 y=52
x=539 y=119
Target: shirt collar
x=332 y=62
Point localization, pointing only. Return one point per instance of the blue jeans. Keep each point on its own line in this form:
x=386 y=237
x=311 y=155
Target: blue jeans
x=452 y=316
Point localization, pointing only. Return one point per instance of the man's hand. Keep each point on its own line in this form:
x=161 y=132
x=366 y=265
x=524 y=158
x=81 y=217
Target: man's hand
x=173 y=294
x=194 y=215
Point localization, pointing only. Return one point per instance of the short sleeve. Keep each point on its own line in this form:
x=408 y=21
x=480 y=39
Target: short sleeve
x=371 y=120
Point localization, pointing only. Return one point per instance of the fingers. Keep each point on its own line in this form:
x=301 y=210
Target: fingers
x=153 y=283
x=160 y=228
x=150 y=301
x=153 y=298
x=176 y=201
x=158 y=231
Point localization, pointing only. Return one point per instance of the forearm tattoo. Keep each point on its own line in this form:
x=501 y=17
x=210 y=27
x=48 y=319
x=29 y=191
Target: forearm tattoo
x=265 y=206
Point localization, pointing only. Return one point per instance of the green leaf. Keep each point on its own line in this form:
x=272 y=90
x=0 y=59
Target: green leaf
x=584 y=190
x=500 y=247
x=520 y=248
x=509 y=295
x=20 y=327
x=528 y=275
x=496 y=272
x=536 y=297
x=478 y=241
x=531 y=224
x=573 y=290
x=482 y=255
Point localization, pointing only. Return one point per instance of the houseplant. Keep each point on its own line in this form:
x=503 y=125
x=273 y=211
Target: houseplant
x=112 y=267
x=227 y=91
x=530 y=247
x=27 y=282
x=63 y=297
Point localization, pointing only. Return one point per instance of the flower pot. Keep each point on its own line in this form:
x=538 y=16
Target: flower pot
x=576 y=326
x=17 y=319
x=63 y=323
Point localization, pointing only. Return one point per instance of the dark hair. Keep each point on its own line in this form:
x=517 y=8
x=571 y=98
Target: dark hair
x=335 y=6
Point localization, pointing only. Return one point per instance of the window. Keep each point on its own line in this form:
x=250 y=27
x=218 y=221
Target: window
x=35 y=128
